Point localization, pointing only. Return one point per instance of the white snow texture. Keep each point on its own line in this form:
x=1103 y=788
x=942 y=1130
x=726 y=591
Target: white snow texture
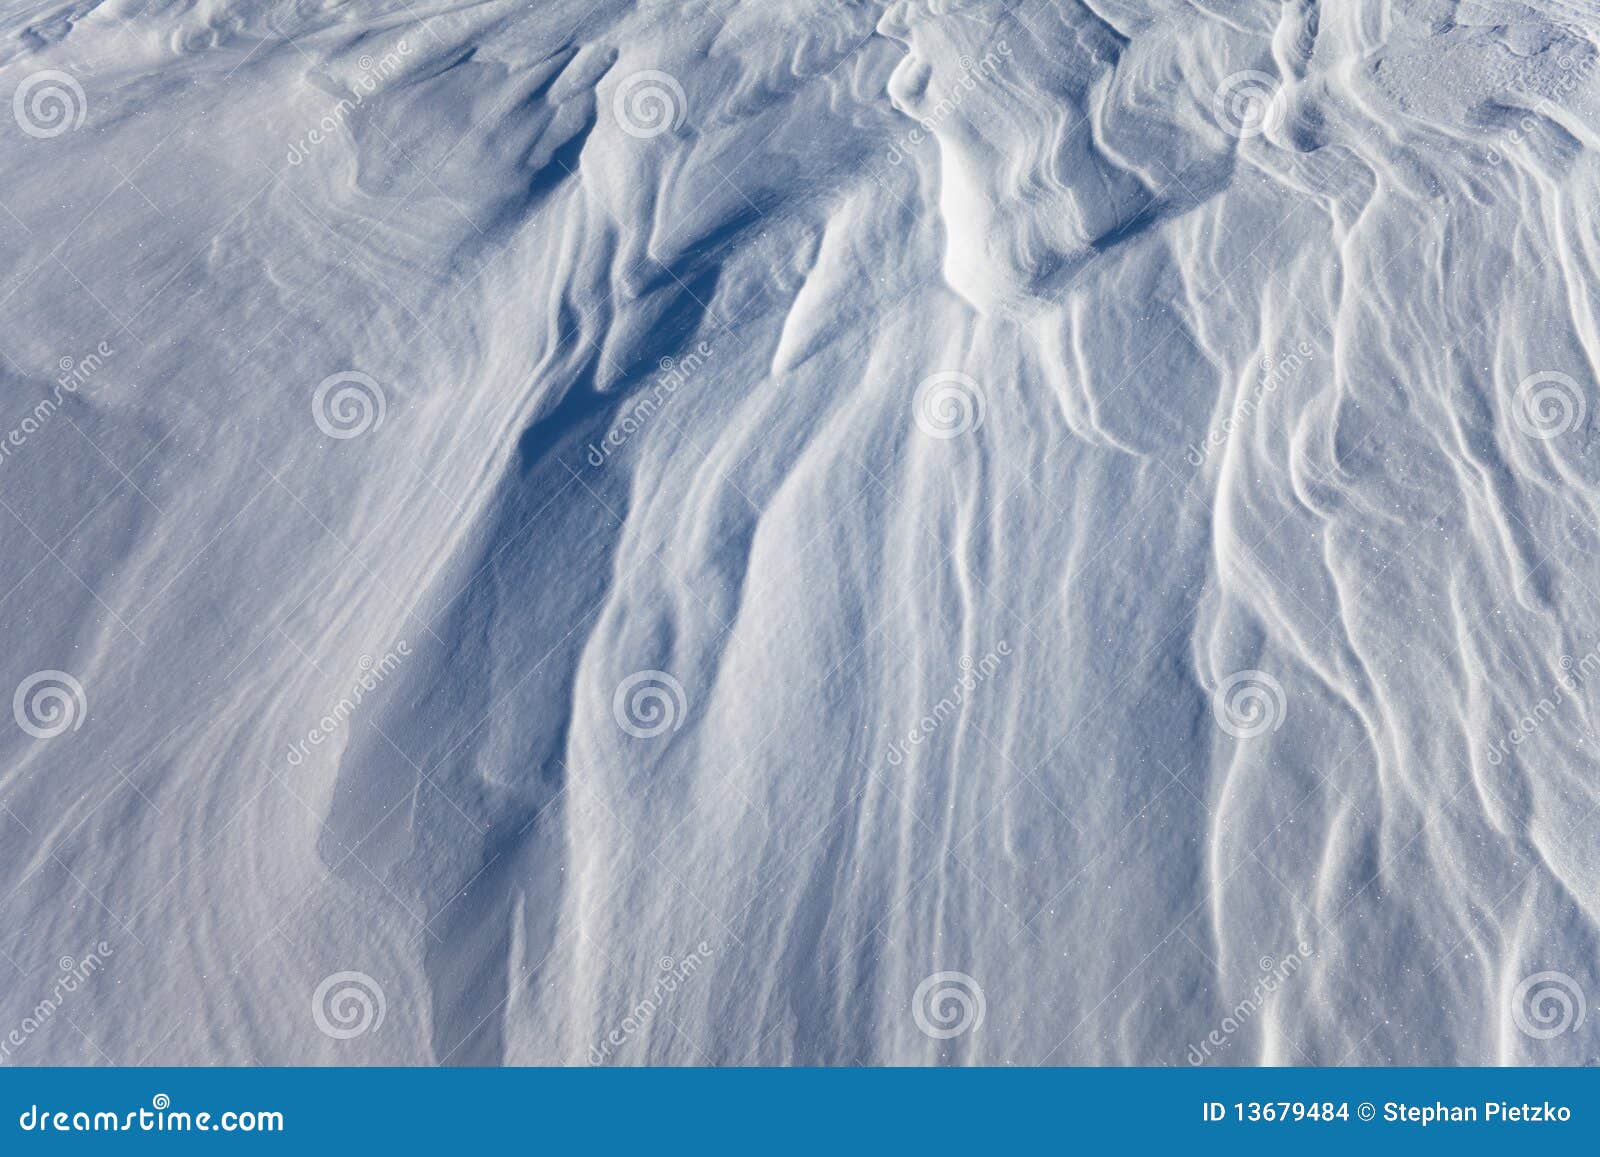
x=823 y=532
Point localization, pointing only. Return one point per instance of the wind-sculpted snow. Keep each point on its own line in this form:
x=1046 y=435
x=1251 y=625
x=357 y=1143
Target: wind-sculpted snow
x=818 y=533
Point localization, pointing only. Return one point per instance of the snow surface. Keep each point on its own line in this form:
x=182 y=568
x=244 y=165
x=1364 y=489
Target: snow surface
x=808 y=532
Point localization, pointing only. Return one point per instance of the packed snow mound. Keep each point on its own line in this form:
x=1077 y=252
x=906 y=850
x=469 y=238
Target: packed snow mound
x=808 y=533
